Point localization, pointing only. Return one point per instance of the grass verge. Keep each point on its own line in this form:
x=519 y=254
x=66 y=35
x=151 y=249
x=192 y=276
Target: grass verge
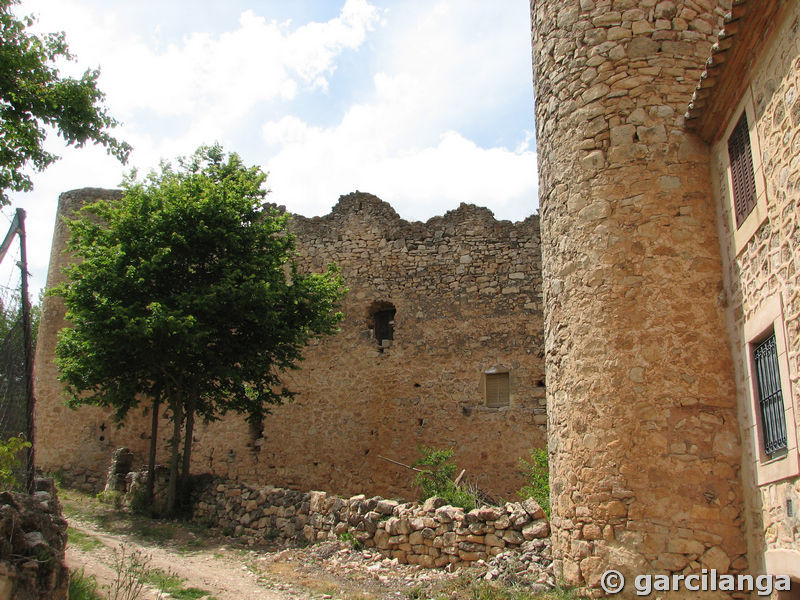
x=83 y=587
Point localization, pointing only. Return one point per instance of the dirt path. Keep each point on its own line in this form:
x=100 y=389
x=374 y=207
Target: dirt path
x=210 y=566
x=220 y=572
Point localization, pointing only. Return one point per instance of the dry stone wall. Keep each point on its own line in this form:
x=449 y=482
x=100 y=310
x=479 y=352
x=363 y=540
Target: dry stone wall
x=466 y=290
x=33 y=538
x=643 y=433
x=766 y=267
x=431 y=534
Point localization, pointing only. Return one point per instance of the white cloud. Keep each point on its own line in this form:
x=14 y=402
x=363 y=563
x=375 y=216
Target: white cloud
x=317 y=165
x=217 y=77
x=420 y=136
x=404 y=141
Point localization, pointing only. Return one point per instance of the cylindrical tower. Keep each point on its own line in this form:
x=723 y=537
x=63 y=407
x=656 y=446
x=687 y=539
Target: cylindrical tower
x=61 y=436
x=643 y=432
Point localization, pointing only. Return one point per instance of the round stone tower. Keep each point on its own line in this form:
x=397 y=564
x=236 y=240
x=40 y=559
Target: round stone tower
x=643 y=433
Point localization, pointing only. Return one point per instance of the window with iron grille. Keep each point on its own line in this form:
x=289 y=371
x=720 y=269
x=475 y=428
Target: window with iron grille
x=770 y=397
x=497 y=389
x=744 y=182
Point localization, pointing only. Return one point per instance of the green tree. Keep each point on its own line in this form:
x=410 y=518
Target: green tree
x=34 y=95
x=187 y=290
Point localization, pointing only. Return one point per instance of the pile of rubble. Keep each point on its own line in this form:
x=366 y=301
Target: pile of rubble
x=33 y=536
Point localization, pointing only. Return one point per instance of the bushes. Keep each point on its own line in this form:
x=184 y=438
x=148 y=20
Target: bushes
x=10 y=462
x=537 y=472
x=437 y=478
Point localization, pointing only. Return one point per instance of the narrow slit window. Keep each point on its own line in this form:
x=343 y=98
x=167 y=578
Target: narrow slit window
x=497 y=389
x=770 y=396
x=744 y=183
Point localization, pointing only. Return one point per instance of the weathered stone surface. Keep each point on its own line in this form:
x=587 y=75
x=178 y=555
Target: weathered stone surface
x=467 y=293
x=616 y=246
x=410 y=533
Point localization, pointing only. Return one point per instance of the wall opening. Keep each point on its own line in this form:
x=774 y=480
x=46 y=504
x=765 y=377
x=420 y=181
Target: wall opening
x=380 y=319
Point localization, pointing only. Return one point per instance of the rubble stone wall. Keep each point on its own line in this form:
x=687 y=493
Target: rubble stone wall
x=467 y=293
x=430 y=535
x=643 y=429
x=764 y=269
x=33 y=538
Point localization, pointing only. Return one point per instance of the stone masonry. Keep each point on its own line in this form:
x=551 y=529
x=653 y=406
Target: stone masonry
x=765 y=269
x=432 y=534
x=643 y=431
x=466 y=291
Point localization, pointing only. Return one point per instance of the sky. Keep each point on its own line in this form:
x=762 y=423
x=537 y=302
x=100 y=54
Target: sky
x=424 y=103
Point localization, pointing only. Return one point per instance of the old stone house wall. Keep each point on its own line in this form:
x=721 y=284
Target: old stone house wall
x=762 y=284
x=466 y=291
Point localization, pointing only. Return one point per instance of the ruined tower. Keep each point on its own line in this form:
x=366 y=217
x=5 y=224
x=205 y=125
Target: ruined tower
x=644 y=440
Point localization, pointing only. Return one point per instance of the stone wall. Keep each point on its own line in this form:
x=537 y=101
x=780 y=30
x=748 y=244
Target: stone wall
x=33 y=538
x=467 y=293
x=762 y=271
x=430 y=535
x=643 y=431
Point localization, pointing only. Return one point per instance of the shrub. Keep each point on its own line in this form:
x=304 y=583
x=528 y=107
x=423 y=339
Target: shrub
x=437 y=478
x=11 y=461
x=537 y=472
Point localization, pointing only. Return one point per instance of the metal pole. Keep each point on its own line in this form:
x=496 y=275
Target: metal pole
x=28 y=337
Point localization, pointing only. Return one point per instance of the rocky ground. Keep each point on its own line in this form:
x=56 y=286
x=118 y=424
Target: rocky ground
x=216 y=567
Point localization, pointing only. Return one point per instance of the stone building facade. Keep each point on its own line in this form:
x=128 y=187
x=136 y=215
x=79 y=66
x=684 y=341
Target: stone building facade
x=657 y=297
x=441 y=346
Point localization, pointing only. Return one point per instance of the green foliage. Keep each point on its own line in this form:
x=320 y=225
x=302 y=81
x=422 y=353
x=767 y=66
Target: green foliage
x=82 y=540
x=173 y=585
x=130 y=569
x=188 y=289
x=112 y=497
x=436 y=478
x=35 y=95
x=82 y=587
x=348 y=537
x=537 y=472
x=189 y=284
x=11 y=461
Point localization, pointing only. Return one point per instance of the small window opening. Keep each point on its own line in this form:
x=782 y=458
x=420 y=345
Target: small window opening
x=497 y=389
x=770 y=396
x=380 y=320
x=744 y=183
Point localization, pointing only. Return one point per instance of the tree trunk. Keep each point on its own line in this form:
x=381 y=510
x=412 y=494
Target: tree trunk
x=151 y=460
x=177 y=422
x=187 y=443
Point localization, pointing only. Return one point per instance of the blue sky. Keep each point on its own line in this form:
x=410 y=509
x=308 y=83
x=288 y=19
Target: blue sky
x=424 y=103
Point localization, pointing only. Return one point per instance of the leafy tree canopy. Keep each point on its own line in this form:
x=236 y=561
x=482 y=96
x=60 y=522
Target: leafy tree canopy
x=34 y=95
x=187 y=288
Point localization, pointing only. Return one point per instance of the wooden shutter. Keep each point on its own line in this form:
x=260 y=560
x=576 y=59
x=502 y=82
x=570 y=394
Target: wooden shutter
x=497 y=389
x=744 y=183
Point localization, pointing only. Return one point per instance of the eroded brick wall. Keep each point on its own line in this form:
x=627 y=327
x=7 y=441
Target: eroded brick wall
x=467 y=293
x=643 y=429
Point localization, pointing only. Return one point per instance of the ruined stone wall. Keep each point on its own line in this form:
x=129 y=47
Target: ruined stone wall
x=643 y=433
x=467 y=293
x=432 y=534
x=762 y=277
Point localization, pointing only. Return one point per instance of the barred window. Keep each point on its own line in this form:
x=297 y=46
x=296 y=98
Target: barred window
x=770 y=396
x=744 y=183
